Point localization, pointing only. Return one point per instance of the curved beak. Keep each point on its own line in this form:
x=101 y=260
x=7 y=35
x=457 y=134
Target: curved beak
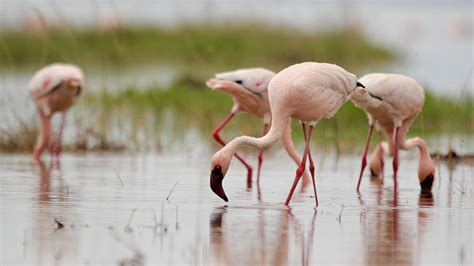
x=216 y=182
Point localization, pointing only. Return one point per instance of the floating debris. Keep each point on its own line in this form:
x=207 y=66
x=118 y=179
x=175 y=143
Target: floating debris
x=59 y=225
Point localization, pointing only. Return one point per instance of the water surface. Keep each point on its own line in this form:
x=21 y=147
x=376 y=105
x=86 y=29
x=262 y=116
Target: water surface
x=113 y=209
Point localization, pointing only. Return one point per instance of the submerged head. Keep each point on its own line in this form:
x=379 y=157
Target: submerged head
x=220 y=163
x=426 y=172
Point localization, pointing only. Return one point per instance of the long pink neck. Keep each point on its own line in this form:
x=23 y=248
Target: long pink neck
x=279 y=125
x=289 y=146
x=415 y=142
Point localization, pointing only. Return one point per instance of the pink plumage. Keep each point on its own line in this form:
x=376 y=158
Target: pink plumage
x=48 y=77
x=54 y=88
x=392 y=103
x=308 y=92
x=249 y=90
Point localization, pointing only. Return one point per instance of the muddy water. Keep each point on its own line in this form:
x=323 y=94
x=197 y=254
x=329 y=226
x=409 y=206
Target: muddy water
x=113 y=208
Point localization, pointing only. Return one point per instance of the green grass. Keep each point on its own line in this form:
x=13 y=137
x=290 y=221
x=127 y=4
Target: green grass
x=150 y=113
x=144 y=116
x=203 y=109
x=197 y=47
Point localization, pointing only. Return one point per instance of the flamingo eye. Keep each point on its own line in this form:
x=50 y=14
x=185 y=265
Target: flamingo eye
x=239 y=82
x=257 y=84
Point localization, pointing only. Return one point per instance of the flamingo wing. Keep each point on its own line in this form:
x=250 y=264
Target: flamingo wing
x=403 y=94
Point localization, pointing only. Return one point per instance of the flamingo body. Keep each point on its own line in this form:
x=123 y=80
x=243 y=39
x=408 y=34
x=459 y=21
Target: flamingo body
x=392 y=103
x=248 y=88
x=49 y=88
x=393 y=98
x=311 y=91
x=308 y=92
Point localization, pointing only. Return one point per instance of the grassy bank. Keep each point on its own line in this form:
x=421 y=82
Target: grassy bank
x=201 y=46
x=141 y=118
x=193 y=107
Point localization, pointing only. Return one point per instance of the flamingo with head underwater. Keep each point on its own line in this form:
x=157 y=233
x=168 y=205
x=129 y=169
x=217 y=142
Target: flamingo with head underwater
x=392 y=103
x=249 y=90
x=308 y=92
x=54 y=89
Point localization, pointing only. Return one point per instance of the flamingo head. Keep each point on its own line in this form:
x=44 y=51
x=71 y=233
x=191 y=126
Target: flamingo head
x=426 y=172
x=219 y=165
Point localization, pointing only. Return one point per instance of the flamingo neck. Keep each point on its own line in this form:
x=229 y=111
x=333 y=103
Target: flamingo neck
x=416 y=143
x=426 y=167
x=277 y=128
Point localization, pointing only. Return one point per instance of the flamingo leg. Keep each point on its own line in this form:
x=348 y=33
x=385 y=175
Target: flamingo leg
x=60 y=136
x=301 y=168
x=51 y=141
x=380 y=144
x=396 y=139
x=215 y=134
x=311 y=164
x=364 y=157
x=260 y=154
x=59 y=140
x=44 y=135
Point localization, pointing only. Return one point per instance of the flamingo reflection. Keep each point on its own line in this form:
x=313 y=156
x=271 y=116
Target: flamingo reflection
x=286 y=243
x=52 y=241
x=392 y=234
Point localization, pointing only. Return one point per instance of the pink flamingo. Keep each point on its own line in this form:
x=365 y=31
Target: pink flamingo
x=308 y=92
x=249 y=90
x=392 y=103
x=54 y=88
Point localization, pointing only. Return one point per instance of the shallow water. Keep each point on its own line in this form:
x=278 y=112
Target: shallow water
x=113 y=209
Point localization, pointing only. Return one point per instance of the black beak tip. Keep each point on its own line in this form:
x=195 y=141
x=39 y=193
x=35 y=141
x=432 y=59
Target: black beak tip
x=216 y=183
x=427 y=183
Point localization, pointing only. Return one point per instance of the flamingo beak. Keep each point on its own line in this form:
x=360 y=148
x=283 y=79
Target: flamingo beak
x=212 y=83
x=427 y=183
x=216 y=182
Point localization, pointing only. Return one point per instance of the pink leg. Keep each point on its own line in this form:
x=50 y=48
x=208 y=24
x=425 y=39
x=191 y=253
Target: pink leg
x=396 y=132
x=59 y=140
x=215 y=134
x=59 y=147
x=44 y=135
x=301 y=168
x=364 y=157
x=380 y=144
x=260 y=154
x=311 y=165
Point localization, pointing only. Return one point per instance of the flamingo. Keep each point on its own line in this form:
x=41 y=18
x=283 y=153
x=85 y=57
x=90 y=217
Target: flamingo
x=392 y=103
x=54 y=88
x=308 y=92
x=249 y=90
